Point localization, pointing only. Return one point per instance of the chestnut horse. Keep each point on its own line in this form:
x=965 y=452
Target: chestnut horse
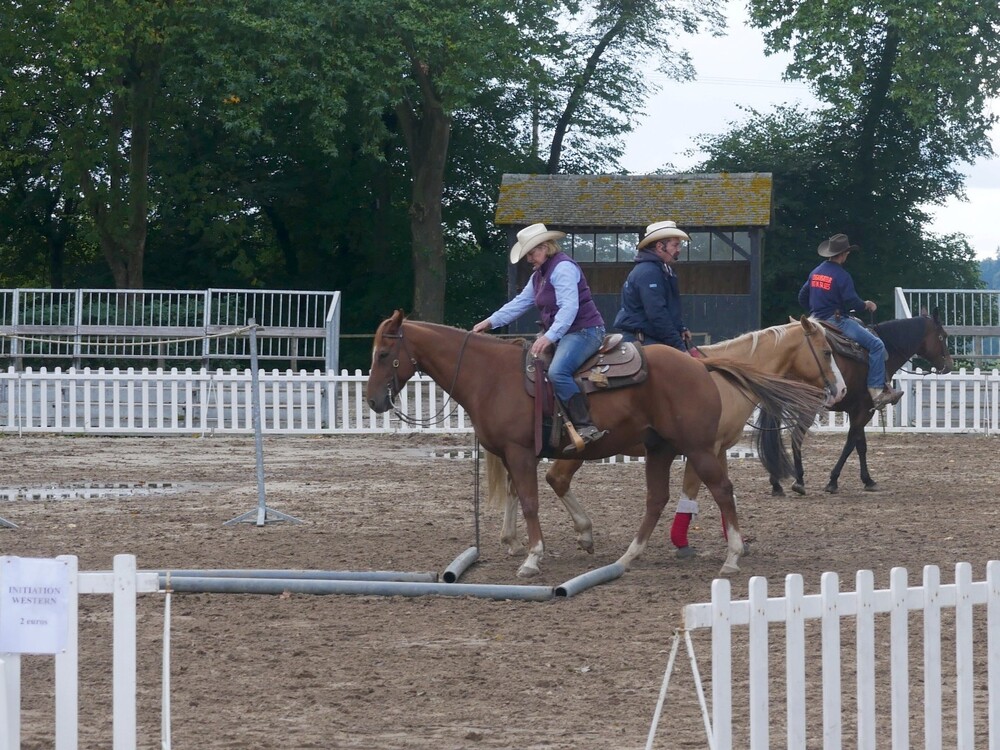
x=904 y=338
x=675 y=411
x=798 y=350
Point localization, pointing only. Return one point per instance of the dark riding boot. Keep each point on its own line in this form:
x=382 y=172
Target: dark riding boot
x=578 y=413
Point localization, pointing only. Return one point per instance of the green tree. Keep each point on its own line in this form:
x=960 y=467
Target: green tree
x=812 y=167
x=907 y=76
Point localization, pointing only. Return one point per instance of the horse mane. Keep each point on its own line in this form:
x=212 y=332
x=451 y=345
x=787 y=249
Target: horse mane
x=481 y=337
x=753 y=337
x=902 y=335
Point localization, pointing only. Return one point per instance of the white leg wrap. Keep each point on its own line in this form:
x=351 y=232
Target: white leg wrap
x=687 y=505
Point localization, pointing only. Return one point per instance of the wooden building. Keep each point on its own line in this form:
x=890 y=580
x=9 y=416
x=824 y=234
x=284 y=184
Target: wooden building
x=605 y=215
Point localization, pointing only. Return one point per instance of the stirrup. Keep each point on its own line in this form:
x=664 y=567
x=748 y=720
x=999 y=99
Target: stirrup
x=586 y=434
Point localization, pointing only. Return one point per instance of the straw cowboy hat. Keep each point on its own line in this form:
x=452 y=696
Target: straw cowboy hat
x=661 y=230
x=529 y=238
x=835 y=246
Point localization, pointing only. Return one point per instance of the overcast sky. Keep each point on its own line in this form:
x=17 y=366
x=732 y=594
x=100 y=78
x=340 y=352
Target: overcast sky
x=732 y=71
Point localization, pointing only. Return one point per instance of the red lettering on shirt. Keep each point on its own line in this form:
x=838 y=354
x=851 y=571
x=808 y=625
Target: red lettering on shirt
x=819 y=281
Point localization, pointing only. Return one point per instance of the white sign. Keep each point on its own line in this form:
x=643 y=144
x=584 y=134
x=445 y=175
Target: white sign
x=34 y=605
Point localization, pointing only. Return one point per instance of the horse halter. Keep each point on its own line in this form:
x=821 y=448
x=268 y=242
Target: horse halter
x=395 y=387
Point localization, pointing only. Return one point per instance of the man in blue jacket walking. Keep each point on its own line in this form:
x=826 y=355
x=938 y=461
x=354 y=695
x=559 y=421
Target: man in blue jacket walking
x=651 y=298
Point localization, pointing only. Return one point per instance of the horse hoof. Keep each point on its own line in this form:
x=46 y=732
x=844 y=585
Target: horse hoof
x=832 y=489
x=777 y=492
x=684 y=553
x=526 y=571
x=799 y=489
x=728 y=570
x=873 y=487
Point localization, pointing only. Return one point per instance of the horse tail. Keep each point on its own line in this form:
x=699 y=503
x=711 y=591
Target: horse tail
x=498 y=482
x=782 y=403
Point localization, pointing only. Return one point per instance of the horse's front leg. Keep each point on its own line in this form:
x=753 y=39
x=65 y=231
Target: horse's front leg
x=799 y=486
x=713 y=474
x=559 y=476
x=862 y=448
x=508 y=529
x=502 y=495
x=658 y=461
x=849 y=445
x=522 y=466
x=687 y=509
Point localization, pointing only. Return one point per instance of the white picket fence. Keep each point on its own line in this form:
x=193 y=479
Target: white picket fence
x=123 y=582
x=114 y=402
x=960 y=700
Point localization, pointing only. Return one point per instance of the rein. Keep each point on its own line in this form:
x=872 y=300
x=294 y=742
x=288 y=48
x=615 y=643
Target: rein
x=439 y=416
x=827 y=385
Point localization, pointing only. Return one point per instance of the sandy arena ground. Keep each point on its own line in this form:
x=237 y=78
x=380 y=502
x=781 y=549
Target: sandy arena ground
x=341 y=671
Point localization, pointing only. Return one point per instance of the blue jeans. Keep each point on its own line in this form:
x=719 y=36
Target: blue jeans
x=573 y=350
x=876 y=349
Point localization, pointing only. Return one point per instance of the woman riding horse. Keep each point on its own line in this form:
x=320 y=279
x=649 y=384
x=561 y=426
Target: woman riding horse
x=674 y=411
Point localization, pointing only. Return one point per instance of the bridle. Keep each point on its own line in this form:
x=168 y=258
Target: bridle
x=828 y=386
x=394 y=387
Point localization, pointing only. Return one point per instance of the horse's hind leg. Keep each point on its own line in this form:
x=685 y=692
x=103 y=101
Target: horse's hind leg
x=658 y=461
x=715 y=478
x=559 y=476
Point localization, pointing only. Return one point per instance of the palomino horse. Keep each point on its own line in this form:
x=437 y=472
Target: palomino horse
x=904 y=338
x=798 y=350
x=674 y=411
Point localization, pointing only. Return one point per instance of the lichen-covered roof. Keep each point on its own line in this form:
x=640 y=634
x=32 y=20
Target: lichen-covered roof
x=725 y=199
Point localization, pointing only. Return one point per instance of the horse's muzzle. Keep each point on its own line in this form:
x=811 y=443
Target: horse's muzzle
x=834 y=394
x=381 y=404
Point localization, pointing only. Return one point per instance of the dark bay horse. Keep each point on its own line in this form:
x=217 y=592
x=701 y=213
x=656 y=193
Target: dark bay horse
x=675 y=411
x=923 y=336
x=797 y=351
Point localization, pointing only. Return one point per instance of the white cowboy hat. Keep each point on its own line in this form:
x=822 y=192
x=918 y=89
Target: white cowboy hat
x=661 y=230
x=529 y=238
x=835 y=246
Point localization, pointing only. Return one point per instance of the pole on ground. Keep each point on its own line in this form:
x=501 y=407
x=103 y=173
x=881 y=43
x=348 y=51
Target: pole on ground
x=5 y=524
x=262 y=514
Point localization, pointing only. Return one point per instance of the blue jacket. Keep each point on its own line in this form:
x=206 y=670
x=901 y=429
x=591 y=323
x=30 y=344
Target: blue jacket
x=651 y=302
x=829 y=290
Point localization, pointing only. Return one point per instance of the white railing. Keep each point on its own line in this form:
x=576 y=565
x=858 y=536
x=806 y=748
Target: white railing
x=960 y=691
x=202 y=402
x=970 y=316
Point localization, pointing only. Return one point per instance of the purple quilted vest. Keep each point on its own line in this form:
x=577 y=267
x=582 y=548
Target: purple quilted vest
x=587 y=316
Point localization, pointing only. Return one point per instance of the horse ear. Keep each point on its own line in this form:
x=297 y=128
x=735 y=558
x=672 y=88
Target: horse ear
x=792 y=319
x=807 y=325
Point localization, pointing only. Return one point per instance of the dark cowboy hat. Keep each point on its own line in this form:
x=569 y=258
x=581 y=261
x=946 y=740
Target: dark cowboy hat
x=835 y=246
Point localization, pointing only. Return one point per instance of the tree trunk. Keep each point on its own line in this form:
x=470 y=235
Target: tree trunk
x=120 y=204
x=427 y=133
x=576 y=95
